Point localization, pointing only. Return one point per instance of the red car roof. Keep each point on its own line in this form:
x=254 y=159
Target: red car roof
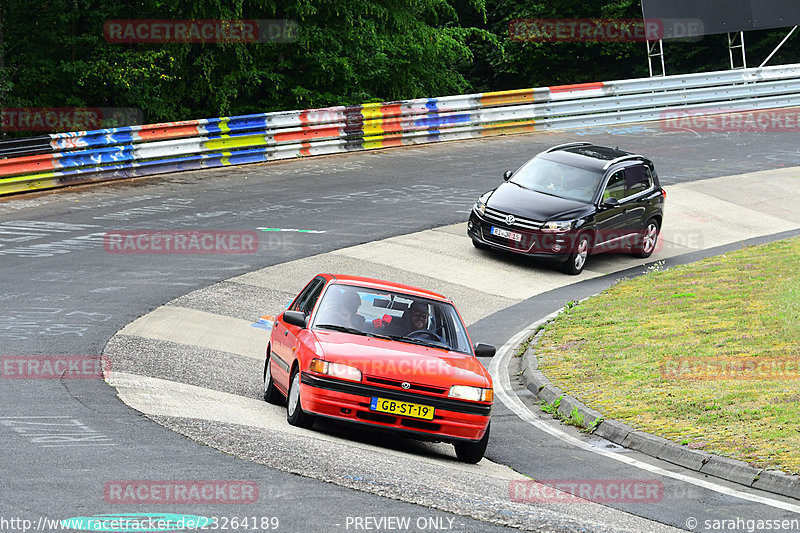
x=385 y=285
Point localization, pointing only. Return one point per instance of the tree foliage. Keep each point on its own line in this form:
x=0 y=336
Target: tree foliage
x=54 y=54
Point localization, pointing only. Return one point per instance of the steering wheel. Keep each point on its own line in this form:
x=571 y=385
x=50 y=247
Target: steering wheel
x=425 y=333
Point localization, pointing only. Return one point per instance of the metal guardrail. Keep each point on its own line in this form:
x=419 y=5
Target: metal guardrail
x=88 y=156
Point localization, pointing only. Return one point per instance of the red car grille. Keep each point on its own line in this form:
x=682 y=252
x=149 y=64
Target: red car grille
x=413 y=386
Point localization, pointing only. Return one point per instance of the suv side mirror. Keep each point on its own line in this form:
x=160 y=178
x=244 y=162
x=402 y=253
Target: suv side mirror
x=295 y=318
x=484 y=350
x=610 y=202
x=507 y=175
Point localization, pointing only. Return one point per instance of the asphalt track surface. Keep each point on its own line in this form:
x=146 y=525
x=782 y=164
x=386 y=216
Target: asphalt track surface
x=65 y=295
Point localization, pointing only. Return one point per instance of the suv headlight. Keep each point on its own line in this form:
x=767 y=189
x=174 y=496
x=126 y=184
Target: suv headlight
x=558 y=226
x=480 y=205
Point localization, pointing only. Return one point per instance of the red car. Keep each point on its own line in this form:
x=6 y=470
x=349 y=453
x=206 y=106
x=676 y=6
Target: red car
x=382 y=354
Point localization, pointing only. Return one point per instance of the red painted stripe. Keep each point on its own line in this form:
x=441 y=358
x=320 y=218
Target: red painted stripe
x=577 y=87
x=308 y=132
x=392 y=110
x=26 y=165
x=393 y=140
x=168 y=131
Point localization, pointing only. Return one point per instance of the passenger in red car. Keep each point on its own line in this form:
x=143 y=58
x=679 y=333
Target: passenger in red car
x=342 y=310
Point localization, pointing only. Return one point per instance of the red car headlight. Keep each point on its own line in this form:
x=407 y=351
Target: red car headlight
x=476 y=394
x=336 y=370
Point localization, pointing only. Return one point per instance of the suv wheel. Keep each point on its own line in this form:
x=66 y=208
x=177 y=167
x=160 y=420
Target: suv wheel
x=580 y=252
x=647 y=242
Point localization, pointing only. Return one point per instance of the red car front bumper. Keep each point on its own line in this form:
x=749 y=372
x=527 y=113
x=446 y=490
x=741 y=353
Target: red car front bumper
x=454 y=420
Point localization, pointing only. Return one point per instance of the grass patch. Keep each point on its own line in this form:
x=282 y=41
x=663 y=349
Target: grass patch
x=682 y=353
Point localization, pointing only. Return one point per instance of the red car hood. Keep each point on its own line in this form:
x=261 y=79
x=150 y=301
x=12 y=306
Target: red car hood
x=402 y=361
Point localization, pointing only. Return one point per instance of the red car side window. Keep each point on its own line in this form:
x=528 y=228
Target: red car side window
x=308 y=297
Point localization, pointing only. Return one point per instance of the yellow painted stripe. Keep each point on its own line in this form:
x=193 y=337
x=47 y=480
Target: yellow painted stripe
x=373 y=127
x=370 y=145
x=223 y=124
x=373 y=119
x=28 y=177
x=371 y=111
x=520 y=96
x=509 y=127
x=28 y=184
x=236 y=142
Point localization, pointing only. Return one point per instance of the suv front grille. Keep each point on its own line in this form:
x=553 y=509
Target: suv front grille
x=520 y=223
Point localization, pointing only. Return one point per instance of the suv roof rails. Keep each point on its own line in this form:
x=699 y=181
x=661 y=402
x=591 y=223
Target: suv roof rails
x=566 y=145
x=623 y=158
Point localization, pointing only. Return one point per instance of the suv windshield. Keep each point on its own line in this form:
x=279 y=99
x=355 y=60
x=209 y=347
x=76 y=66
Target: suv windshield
x=399 y=316
x=558 y=179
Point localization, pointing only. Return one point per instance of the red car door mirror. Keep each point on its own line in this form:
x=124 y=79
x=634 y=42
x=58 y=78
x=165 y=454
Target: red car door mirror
x=295 y=318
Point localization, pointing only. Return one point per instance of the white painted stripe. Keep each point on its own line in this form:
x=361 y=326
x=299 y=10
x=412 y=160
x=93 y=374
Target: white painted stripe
x=68 y=445
x=503 y=390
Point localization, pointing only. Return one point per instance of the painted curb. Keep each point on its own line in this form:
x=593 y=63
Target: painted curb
x=773 y=481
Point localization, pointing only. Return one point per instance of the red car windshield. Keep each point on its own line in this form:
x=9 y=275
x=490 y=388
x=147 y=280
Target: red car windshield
x=403 y=317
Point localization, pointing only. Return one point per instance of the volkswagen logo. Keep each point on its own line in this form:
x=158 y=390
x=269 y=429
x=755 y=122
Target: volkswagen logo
x=510 y=219
x=406 y=385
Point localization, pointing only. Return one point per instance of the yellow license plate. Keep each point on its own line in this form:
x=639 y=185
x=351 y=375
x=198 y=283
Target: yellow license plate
x=395 y=407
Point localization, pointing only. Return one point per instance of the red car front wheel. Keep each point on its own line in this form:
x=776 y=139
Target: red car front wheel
x=294 y=411
x=472 y=452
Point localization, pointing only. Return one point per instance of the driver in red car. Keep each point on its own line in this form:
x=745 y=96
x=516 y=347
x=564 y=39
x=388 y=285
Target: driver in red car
x=419 y=316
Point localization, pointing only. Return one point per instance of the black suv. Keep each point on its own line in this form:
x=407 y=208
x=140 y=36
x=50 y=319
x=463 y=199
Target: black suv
x=571 y=201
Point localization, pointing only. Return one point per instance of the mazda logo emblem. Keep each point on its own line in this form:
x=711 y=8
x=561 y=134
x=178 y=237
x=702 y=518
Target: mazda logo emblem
x=510 y=219
x=406 y=385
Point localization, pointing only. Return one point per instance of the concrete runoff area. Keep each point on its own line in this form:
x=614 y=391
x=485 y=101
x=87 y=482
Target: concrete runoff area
x=698 y=216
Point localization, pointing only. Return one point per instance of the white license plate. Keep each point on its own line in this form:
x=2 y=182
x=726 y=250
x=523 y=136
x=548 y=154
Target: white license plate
x=500 y=232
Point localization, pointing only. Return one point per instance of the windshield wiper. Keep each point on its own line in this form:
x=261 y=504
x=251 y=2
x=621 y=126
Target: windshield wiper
x=354 y=331
x=421 y=342
x=344 y=329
